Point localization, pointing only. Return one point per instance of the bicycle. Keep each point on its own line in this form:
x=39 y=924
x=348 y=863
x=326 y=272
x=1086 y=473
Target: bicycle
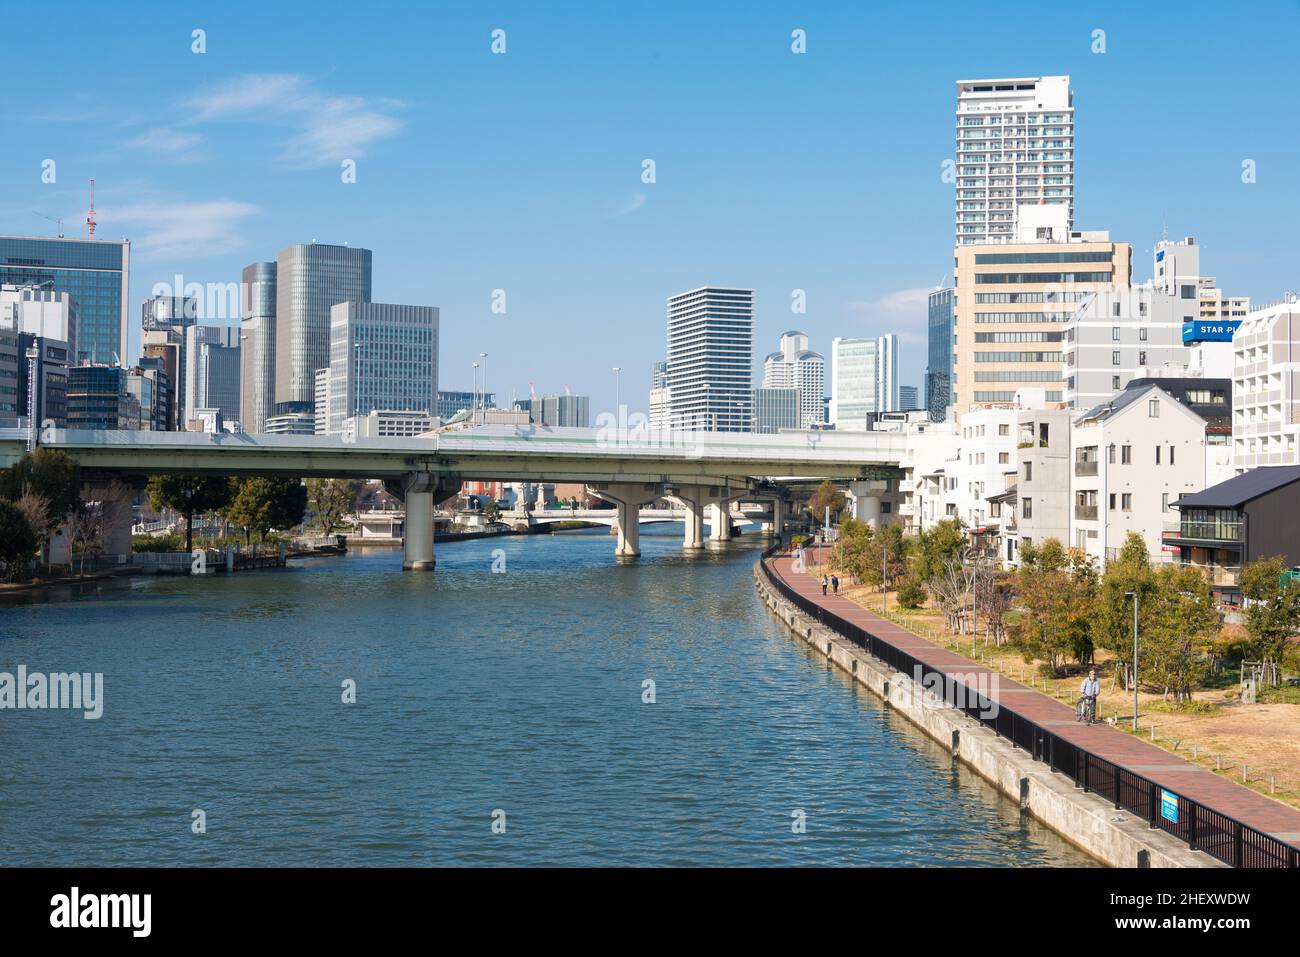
x=1086 y=710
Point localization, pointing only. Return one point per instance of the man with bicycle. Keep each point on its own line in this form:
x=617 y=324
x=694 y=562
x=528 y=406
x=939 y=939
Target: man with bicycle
x=1088 y=697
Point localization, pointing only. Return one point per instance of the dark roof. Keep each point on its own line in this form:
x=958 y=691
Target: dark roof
x=1178 y=389
x=1240 y=489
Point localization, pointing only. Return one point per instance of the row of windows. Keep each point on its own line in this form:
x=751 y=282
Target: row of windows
x=1018 y=337
x=1018 y=375
x=1017 y=357
x=1036 y=257
x=1053 y=395
x=991 y=317
x=982 y=297
x=1041 y=277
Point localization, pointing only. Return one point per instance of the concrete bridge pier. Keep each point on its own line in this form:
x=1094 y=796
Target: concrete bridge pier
x=720 y=521
x=691 y=498
x=422 y=491
x=113 y=498
x=628 y=497
x=864 y=502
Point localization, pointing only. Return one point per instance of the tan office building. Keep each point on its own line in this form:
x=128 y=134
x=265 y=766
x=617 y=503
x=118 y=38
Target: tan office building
x=1013 y=300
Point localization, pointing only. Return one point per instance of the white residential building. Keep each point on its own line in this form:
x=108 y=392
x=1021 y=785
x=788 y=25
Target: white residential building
x=1266 y=387
x=1015 y=147
x=1133 y=457
x=710 y=360
x=1040 y=506
x=795 y=366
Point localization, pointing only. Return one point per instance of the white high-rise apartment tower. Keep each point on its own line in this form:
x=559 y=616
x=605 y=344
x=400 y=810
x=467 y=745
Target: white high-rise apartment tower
x=795 y=366
x=710 y=360
x=1015 y=147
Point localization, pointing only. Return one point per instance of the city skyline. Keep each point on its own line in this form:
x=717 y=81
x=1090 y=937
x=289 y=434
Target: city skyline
x=174 y=172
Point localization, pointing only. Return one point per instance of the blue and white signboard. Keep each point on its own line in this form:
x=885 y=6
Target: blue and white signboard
x=1209 y=330
x=1169 y=806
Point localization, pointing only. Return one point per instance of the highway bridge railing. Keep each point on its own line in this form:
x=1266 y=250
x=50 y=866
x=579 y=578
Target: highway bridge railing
x=1203 y=828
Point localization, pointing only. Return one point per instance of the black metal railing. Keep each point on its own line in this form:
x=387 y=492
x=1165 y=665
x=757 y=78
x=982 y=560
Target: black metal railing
x=1202 y=828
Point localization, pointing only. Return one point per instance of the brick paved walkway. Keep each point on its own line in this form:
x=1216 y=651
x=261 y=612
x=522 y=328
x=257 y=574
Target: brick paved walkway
x=1165 y=769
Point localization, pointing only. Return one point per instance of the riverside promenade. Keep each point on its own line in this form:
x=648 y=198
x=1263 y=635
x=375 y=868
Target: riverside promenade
x=1165 y=770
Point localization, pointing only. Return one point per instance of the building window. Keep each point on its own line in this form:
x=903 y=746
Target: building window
x=1153 y=407
x=1142 y=358
x=1171 y=455
x=1126 y=502
x=1114 y=358
x=1026 y=508
x=1110 y=454
x=1125 y=454
x=1114 y=382
x=1188 y=292
x=1142 y=335
x=1157 y=455
x=1112 y=501
x=1004 y=458
x=886 y=507
x=1029 y=471
x=1114 y=332
x=1164 y=502
x=1004 y=429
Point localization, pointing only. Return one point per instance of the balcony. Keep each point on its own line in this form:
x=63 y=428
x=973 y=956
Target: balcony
x=1087 y=513
x=1085 y=468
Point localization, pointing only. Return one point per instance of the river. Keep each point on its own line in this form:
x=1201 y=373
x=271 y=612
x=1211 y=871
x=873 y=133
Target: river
x=512 y=697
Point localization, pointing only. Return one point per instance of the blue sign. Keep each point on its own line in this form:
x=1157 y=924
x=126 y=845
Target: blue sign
x=1209 y=330
x=1169 y=806
x=1160 y=256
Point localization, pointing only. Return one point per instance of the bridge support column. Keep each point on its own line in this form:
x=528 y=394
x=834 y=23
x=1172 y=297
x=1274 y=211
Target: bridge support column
x=694 y=538
x=778 y=519
x=628 y=497
x=417 y=543
x=720 y=521
x=865 y=503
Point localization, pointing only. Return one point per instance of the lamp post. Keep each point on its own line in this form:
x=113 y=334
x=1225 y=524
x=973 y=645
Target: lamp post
x=474 y=401
x=617 y=414
x=1134 y=596
x=484 y=357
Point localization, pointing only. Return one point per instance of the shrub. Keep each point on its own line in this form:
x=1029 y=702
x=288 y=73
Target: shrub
x=911 y=593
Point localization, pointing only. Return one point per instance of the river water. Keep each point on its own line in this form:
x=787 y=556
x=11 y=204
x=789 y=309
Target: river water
x=512 y=697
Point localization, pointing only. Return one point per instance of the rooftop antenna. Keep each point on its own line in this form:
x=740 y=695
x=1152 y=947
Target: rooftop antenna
x=90 y=216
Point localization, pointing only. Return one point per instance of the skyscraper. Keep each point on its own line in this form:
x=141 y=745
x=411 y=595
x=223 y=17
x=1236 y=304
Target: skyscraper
x=887 y=373
x=939 y=354
x=710 y=359
x=257 y=346
x=94 y=272
x=659 y=395
x=795 y=366
x=908 y=401
x=383 y=357
x=212 y=371
x=1015 y=147
x=864 y=380
x=310 y=280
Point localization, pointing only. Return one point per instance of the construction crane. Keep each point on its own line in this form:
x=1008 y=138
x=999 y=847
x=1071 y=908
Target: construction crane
x=52 y=219
x=90 y=216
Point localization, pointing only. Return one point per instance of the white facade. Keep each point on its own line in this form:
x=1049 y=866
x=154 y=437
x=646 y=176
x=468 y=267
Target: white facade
x=388 y=423
x=710 y=360
x=795 y=366
x=864 y=380
x=1266 y=387
x=1130 y=461
x=382 y=356
x=1015 y=148
x=38 y=312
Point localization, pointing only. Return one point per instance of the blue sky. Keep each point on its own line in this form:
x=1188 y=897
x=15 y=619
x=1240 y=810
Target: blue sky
x=522 y=171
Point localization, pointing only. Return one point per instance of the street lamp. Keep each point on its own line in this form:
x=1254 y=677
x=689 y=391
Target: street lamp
x=484 y=356
x=617 y=370
x=1134 y=596
x=474 y=403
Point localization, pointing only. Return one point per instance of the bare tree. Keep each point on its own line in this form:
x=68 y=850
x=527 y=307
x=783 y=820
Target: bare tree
x=36 y=509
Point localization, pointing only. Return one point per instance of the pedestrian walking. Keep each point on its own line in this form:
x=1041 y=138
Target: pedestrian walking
x=835 y=584
x=825 y=582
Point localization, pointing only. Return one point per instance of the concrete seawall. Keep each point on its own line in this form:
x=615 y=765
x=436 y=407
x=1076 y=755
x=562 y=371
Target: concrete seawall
x=1085 y=819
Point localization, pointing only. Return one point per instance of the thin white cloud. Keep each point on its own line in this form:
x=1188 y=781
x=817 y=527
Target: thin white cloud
x=202 y=227
x=903 y=312
x=325 y=128
x=176 y=144
x=629 y=205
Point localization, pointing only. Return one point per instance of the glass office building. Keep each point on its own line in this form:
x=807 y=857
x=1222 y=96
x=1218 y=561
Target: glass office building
x=383 y=357
x=310 y=280
x=941 y=348
x=93 y=271
x=711 y=360
x=257 y=346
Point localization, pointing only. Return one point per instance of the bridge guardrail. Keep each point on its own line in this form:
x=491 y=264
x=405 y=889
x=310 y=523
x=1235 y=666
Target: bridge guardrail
x=1203 y=828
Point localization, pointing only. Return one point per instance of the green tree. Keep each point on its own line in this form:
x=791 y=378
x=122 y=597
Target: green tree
x=331 y=500
x=1272 y=608
x=190 y=495
x=1056 y=595
x=18 y=540
x=259 y=504
x=1183 y=623
x=492 y=511
x=911 y=593
x=1112 y=618
x=937 y=546
x=50 y=474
